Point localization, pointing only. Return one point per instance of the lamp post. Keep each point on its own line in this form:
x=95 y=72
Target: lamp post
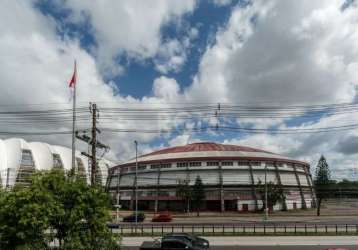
x=136 y=183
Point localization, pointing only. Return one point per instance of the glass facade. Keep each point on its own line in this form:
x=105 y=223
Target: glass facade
x=57 y=162
x=81 y=168
x=27 y=168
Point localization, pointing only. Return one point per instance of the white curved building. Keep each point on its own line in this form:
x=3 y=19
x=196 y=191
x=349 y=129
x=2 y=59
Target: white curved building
x=19 y=159
x=230 y=174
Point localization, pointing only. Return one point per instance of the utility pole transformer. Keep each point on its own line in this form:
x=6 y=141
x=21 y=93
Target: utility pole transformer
x=93 y=142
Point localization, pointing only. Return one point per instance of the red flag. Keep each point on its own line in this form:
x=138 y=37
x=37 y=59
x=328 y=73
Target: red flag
x=74 y=77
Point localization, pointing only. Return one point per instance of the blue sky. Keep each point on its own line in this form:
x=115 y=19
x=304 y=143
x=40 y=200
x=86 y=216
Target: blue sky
x=136 y=53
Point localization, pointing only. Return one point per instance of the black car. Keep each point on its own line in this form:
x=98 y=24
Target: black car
x=170 y=244
x=131 y=218
x=194 y=240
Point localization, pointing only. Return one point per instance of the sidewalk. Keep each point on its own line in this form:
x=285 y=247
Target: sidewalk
x=262 y=241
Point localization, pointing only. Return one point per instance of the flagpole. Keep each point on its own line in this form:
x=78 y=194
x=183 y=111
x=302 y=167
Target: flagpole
x=74 y=124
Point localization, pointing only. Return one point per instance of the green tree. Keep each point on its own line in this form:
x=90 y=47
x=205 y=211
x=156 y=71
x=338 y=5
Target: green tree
x=322 y=182
x=24 y=218
x=56 y=207
x=198 y=194
x=184 y=191
x=275 y=194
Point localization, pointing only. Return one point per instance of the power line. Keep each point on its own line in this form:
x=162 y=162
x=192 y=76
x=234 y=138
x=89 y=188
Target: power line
x=174 y=115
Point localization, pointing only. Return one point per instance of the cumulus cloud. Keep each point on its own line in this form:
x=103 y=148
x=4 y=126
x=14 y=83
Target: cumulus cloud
x=172 y=55
x=166 y=88
x=348 y=145
x=179 y=140
x=298 y=52
x=36 y=65
x=222 y=2
x=285 y=53
x=131 y=28
x=282 y=52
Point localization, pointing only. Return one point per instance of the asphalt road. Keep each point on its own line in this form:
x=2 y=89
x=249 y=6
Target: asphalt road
x=268 y=247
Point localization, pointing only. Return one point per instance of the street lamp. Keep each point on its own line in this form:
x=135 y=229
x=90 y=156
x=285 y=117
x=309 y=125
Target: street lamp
x=136 y=184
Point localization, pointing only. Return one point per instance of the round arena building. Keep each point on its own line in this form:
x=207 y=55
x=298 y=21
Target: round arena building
x=230 y=175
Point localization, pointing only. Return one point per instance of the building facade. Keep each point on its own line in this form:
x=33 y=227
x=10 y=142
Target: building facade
x=19 y=159
x=231 y=175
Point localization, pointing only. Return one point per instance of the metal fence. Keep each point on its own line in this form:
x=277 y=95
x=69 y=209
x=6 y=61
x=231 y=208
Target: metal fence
x=151 y=229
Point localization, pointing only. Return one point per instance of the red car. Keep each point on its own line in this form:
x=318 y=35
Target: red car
x=165 y=217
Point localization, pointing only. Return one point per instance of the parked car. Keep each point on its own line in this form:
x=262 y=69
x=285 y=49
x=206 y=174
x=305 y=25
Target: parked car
x=194 y=240
x=170 y=244
x=132 y=218
x=163 y=217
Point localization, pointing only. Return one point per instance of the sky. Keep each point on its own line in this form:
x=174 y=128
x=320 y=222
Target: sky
x=165 y=53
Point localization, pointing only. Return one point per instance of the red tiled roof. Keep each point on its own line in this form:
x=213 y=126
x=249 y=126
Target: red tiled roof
x=205 y=146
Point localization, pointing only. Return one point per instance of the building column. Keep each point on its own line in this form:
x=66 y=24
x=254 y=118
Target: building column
x=109 y=179
x=221 y=182
x=119 y=177
x=279 y=182
x=187 y=170
x=156 y=202
x=133 y=191
x=303 y=201
x=253 y=188
x=310 y=184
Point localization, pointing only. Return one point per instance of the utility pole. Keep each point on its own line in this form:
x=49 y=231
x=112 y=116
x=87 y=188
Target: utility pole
x=93 y=142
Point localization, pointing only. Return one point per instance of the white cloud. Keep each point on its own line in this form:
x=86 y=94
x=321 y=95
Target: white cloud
x=180 y=140
x=166 y=88
x=271 y=51
x=285 y=53
x=36 y=67
x=130 y=27
x=173 y=54
x=222 y=2
x=282 y=52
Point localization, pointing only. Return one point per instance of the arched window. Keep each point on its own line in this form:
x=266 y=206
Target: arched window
x=26 y=169
x=98 y=175
x=81 y=169
x=57 y=162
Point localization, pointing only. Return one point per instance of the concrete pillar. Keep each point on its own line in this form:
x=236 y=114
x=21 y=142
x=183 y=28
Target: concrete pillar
x=303 y=201
x=119 y=177
x=187 y=205
x=156 y=202
x=133 y=191
x=109 y=179
x=221 y=183
x=279 y=182
x=310 y=184
x=253 y=188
